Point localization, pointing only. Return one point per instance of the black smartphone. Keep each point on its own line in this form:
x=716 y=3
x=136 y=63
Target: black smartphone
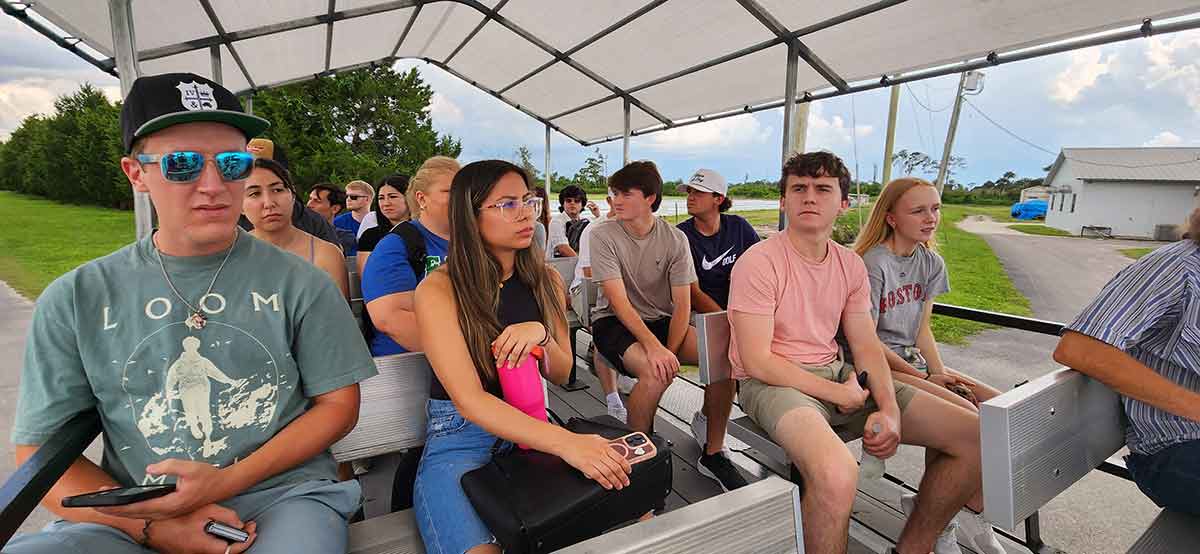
x=117 y=497
x=222 y=531
x=862 y=379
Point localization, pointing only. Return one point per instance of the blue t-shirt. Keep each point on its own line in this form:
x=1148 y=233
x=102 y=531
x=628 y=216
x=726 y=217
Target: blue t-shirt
x=714 y=256
x=347 y=228
x=387 y=272
x=346 y=221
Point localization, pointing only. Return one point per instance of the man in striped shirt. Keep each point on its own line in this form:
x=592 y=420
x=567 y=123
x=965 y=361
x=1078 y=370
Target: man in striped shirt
x=1141 y=337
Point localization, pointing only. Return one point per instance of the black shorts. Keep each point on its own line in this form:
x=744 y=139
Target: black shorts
x=612 y=339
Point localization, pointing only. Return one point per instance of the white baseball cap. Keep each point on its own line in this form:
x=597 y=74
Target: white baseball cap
x=706 y=180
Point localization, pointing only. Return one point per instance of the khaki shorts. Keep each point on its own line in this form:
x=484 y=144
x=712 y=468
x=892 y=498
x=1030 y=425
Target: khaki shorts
x=767 y=404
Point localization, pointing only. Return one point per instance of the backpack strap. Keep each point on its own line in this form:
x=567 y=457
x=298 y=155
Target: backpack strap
x=414 y=243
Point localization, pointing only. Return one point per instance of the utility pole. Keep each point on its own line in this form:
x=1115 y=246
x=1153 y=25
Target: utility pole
x=971 y=82
x=890 y=144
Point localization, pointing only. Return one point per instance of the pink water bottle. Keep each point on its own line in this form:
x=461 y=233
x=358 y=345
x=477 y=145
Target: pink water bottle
x=522 y=386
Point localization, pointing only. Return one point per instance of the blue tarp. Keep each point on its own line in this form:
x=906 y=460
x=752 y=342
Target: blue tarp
x=1030 y=209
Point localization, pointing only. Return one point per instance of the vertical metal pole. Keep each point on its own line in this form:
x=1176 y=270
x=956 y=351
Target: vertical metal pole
x=890 y=144
x=625 y=137
x=120 y=14
x=943 y=169
x=250 y=103
x=214 y=53
x=547 y=170
x=789 y=111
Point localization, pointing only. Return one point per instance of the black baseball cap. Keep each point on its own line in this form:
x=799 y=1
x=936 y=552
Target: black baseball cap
x=156 y=102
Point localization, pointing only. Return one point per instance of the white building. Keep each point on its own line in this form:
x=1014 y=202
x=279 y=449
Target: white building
x=1125 y=192
x=1035 y=193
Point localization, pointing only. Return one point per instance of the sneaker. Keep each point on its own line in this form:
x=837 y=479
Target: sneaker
x=625 y=383
x=979 y=534
x=947 y=541
x=700 y=429
x=618 y=411
x=719 y=468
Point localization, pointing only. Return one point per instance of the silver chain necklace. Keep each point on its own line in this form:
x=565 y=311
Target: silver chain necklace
x=196 y=320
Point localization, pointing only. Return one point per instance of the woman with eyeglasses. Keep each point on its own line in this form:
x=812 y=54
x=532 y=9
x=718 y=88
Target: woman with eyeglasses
x=405 y=255
x=391 y=207
x=507 y=300
x=268 y=202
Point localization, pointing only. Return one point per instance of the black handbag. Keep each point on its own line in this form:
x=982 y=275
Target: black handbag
x=535 y=502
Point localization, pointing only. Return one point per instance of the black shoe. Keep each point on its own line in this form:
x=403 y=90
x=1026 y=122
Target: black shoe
x=719 y=468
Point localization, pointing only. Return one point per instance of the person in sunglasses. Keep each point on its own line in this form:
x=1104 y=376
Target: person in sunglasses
x=507 y=301
x=358 y=205
x=268 y=203
x=216 y=362
x=409 y=252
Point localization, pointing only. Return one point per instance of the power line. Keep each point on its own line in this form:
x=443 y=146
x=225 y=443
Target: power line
x=927 y=108
x=1053 y=153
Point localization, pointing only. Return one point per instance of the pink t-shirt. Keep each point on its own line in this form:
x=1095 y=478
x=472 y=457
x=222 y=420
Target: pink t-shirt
x=806 y=298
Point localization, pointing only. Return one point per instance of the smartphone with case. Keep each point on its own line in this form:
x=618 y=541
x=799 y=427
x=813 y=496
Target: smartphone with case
x=634 y=447
x=117 y=497
x=222 y=531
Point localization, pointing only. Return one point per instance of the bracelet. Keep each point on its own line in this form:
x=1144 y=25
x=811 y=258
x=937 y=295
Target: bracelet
x=546 y=340
x=145 y=540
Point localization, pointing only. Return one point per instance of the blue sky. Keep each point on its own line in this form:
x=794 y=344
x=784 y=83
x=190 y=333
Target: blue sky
x=1142 y=92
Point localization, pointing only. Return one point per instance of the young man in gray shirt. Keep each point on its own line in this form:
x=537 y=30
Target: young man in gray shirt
x=641 y=321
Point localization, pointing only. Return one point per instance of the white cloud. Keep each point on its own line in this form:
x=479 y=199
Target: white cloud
x=444 y=110
x=22 y=98
x=721 y=134
x=1173 y=66
x=1165 y=138
x=833 y=131
x=1086 y=67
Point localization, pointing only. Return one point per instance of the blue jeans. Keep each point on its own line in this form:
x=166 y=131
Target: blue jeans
x=308 y=517
x=1170 y=477
x=453 y=446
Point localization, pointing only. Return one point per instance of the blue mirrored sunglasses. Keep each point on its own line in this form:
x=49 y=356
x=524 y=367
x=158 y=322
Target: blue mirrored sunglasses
x=186 y=167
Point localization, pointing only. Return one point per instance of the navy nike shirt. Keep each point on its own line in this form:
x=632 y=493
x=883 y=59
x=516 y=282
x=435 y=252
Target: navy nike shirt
x=714 y=256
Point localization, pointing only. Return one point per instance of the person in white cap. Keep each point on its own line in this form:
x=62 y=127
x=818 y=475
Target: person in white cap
x=716 y=239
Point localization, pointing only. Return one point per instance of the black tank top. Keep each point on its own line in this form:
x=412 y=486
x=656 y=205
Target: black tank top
x=517 y=305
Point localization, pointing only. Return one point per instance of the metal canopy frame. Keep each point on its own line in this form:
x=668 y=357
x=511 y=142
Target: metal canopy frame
x=782 y=36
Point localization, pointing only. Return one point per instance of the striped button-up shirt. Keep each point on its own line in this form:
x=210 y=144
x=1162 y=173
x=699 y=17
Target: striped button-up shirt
x=1151 y=311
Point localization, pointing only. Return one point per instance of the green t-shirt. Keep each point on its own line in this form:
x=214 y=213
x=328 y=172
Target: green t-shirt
x=112 y=336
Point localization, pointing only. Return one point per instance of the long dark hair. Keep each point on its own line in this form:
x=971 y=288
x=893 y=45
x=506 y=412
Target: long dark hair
x=398 y=182
x=475 y=273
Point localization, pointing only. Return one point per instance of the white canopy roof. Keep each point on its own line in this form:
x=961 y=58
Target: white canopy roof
x=574 y=63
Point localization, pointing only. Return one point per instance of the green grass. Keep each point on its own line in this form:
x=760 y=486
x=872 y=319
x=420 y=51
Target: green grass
x=41 y=239
x=977 y=279
x=1135 y=253
x=1034 y=229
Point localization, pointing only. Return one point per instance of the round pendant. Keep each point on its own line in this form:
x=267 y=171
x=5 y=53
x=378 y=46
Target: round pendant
x=196 y=321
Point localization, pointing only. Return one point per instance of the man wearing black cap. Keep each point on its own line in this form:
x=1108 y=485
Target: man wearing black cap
x=207 y=354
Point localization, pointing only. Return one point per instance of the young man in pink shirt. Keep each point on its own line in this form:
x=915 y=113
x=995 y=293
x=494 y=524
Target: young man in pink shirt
x=789 y=295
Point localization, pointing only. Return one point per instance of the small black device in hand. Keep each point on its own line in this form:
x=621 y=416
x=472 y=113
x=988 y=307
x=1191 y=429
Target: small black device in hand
x=117 y=497
x=862 y=379
x=222 y=531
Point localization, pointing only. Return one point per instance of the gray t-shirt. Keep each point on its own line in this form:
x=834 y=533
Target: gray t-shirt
x=647 y=266
x=900 y=286
x=111 y=336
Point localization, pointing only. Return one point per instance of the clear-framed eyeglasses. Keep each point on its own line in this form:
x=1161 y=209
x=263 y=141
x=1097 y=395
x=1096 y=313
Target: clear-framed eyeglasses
x=513 y=210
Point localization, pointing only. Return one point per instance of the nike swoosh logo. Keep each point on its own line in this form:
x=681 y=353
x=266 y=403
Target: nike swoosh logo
x=707 y=265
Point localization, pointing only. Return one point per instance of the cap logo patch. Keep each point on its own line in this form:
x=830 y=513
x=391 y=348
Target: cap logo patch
x=698 y=179
x=196 y=96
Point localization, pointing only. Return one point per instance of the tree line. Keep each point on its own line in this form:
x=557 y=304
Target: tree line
x=363 y=124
